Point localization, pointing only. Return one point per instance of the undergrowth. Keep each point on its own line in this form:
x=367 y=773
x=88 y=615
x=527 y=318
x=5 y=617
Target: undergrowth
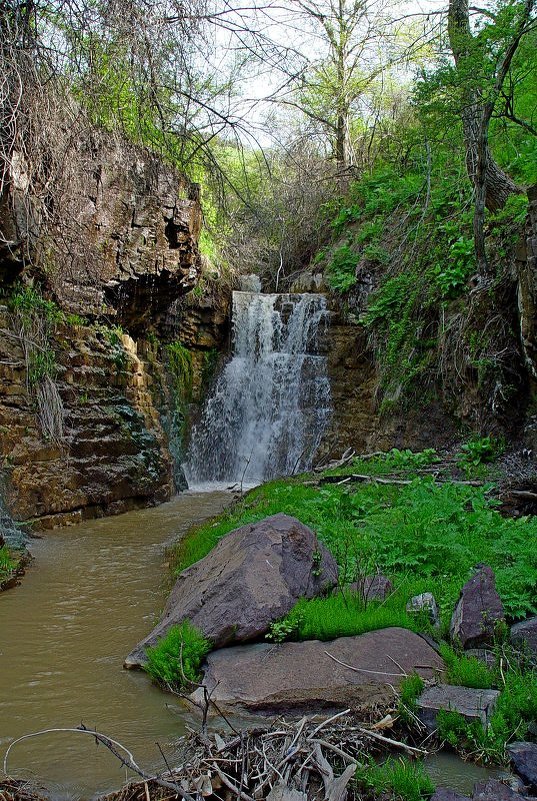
x=514 y=713
x=410 y=237
x=423 y=536
x=175 y=660
x=403 y=780
x=7 y=563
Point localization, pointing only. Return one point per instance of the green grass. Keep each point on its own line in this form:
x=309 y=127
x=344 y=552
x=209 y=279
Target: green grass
x=424 y=537
x=515 y=711
x=175 y=660
x=7 y=563
x=466 y=671
x=345 y=615
x=399 y=779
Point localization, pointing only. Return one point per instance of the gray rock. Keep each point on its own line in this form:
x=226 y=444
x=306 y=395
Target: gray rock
x=494 y=790
x=524 y=761
x=373 y=588
x=443 y=794
x=425 y=602
x=524 y=635
x=478 y=611
x=251 y=578
x=301 y=676
x=370 y=588
x=470 y=703
x=483 y=654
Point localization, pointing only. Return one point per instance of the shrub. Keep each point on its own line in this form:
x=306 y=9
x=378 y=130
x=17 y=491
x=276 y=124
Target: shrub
x=341 y=272
x=7 y=563
x=175 y=661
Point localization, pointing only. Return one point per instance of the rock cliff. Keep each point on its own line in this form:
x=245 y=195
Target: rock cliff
x=116 y=253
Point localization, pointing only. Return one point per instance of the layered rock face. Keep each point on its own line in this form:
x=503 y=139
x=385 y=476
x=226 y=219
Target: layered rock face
x=122 y=239
x=118 y=245
x=113 y=455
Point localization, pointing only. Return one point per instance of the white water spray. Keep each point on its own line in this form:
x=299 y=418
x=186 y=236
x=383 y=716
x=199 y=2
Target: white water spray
x=271 y=404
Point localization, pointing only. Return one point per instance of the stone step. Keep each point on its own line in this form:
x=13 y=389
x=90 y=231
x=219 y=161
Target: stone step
x=472 y=704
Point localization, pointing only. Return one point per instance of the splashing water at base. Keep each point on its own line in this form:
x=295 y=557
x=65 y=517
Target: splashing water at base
x=271 y=404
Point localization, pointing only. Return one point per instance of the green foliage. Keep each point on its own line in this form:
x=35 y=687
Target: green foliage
x=175 y=660
x=285 y=629
x=29 y=302
x=410 y=689
x=341 y=270
x=479 y=450
x=344 y=615
x=466 y=671
x=423 y=536
x=515 y=711
x=395 y=779
x=38 y=318
x=452 y=276
x=406 y=459
x=7 y=563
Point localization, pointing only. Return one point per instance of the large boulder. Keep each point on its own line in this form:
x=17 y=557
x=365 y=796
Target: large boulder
x=478 y=611
x=251 y=578
x=360 y=672
x=523 y=758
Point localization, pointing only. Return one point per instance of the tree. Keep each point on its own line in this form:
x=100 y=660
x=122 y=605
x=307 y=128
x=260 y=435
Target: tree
x=482 y=61
x=344 y=50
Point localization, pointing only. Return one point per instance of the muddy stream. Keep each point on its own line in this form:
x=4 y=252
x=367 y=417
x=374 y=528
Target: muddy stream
x=93 y=591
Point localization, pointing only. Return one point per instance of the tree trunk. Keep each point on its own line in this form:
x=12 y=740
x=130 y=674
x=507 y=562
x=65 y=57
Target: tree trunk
x=498 y=185
x=485 y=174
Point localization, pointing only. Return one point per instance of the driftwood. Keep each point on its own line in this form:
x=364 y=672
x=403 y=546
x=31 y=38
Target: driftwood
x=307 y=760
x=358 y=478
x=285 y=761
x=17 y=790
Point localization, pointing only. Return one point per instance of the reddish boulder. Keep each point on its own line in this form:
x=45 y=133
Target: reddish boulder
x=478 y=611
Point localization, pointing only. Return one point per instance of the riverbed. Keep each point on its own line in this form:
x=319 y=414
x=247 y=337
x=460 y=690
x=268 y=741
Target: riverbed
x=92 y=592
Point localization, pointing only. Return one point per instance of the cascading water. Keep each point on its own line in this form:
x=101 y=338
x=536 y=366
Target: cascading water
x=271 y=403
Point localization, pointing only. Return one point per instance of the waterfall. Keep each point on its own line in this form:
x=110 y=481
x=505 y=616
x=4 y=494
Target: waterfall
x=271 y=403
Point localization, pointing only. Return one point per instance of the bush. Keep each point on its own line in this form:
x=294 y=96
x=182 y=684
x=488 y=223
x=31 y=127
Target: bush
x=175 y=661
x=7 y=563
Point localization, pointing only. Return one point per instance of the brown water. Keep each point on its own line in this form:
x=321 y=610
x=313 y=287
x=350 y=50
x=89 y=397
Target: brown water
x=93 y=591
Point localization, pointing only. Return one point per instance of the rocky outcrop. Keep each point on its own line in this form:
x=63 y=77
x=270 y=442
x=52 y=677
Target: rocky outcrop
x=122 y=237
x=478 y=611
x=112 y=456
x=250 y=579
x=294 y=677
